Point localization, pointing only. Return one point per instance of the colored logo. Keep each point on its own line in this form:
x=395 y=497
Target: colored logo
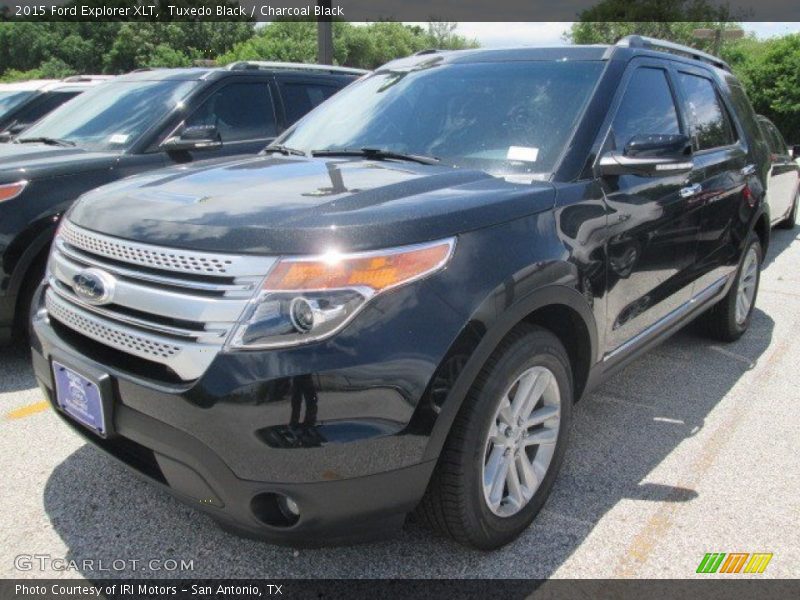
x=734 y=562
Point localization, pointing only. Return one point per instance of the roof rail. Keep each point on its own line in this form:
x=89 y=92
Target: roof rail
x=427 y=51
x=243 y=65
x=86 y=78
x=639 y=41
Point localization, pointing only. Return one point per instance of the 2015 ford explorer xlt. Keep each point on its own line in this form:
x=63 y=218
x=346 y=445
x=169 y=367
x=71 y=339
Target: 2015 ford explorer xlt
x=396 y=307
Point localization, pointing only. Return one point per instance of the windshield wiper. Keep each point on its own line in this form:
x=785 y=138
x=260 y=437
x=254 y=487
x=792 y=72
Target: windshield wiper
x=378 y=154
x=285 y=150
x=46 y=140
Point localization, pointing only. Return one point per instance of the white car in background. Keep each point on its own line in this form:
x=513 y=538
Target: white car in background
x=25 y=102
x=783 y=185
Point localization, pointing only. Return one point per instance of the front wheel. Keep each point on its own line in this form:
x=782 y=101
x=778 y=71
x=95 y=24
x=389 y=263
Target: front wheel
x=730 y=318
x=506 y=444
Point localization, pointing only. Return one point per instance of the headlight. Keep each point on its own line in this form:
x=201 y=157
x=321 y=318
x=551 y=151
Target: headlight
x=11 y=190
x=305 y=299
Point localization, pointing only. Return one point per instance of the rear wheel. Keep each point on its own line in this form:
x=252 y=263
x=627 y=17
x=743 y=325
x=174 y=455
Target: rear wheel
x=730 y=318
x=789 y=222
x=506 y=445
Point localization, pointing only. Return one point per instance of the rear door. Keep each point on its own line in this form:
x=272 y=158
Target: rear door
x=718 y=179
x=652 y=225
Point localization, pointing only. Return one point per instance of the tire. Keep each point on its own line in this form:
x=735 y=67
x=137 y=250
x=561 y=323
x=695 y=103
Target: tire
x=722 y=322
x=456 y=503
x=789 y=222
x=22 y=315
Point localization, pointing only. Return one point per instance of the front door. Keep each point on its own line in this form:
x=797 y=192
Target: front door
x=244 y=114
x=653 y=223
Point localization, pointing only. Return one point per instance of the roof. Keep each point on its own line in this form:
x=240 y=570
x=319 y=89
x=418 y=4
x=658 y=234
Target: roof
x=198 y=73
x=499 y=55
x=293 y=66
x=73 y=83
x=627 y=46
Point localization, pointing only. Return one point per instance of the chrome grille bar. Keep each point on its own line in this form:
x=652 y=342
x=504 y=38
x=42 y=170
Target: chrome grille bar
x=169 y=306
x=164 y=258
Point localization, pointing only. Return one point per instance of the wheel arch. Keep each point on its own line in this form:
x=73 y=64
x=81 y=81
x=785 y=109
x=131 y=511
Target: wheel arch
x=559 y=309
x=763 y=231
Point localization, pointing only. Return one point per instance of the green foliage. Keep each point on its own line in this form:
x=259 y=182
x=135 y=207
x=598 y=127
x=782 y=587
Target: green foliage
x=770 y=72
x=366 y=46
x=52 y=68
x=672 y=20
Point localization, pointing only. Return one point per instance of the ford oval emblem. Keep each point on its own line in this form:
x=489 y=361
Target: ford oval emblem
x=94 y=286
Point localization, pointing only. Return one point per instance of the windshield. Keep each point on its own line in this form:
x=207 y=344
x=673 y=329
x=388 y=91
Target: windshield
x=504 y=118
x=113 y=115
x=10 y=99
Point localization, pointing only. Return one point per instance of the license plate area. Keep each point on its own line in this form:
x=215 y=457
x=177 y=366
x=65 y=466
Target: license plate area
x=84 y=398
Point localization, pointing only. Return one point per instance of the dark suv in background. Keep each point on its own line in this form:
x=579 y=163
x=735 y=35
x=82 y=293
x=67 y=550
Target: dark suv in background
x=397 y=307
x=135 y=123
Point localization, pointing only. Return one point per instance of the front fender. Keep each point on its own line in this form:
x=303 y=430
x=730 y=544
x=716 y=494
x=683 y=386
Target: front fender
x=479 y=341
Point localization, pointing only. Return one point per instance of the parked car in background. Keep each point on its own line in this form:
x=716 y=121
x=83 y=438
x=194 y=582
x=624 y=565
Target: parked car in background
x=135 y=123
x=395 y=306
x=783 y=185
x=24 y=103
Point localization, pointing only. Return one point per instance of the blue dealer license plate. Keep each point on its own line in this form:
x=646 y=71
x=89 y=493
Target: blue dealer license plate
x=79 y=397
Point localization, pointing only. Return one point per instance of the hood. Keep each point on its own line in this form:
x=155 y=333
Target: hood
x=34 y=161
x=280 y=205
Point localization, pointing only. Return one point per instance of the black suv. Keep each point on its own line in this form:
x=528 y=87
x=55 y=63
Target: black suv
x=135 y=123
x=396 y=306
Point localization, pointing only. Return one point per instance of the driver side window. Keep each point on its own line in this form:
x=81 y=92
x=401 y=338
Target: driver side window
x=646 y=108
x=239 y=111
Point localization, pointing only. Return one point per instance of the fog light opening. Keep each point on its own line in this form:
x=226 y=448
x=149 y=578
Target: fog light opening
x=275 y=510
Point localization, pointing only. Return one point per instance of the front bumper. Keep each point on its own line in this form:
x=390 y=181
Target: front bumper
x=354 y=467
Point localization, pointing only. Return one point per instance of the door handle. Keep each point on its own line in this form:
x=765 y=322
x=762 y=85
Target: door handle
x=691 y=190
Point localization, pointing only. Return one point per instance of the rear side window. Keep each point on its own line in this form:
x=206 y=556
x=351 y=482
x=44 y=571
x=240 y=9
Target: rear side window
x=708 y=119
x=300 y=98
x=646 y=108
x=239 y=111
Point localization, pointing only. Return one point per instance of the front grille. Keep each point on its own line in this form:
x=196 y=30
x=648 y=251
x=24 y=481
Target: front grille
x=97 y=330
x=140 y=254
x=170 y=306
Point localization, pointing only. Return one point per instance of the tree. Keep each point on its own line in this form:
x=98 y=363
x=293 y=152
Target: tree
x=770 y=72
x=672 y=20
x=365 y=46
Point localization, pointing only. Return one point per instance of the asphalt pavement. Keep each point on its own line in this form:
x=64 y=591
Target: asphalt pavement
x=691 y=449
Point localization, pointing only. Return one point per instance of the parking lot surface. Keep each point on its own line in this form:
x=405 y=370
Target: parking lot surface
x=691 y=449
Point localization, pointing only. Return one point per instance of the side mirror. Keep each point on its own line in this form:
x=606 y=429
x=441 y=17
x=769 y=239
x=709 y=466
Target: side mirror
x=12 y=131
x=196 y=137
x=649 y=156
x=796 y=151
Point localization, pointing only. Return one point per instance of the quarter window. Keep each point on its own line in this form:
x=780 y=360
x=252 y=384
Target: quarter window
x=239 y=111
x=708 y=119
x=646 y=108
